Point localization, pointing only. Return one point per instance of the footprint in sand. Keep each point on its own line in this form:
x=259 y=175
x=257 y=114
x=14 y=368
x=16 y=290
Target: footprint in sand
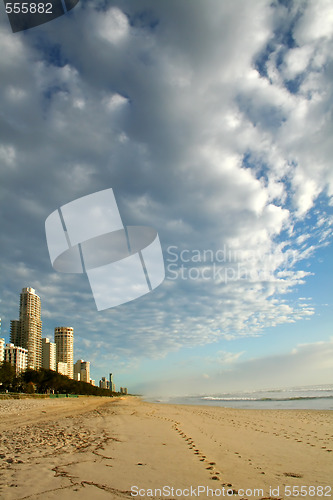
x=292 y=474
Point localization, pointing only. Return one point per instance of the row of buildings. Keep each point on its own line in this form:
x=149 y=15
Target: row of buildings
x=27 y=348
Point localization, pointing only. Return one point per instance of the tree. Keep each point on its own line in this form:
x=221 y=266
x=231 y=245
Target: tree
x=7 y=376
x=30 y=388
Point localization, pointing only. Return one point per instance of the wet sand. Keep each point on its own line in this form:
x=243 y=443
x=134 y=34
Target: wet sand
x=101 y=448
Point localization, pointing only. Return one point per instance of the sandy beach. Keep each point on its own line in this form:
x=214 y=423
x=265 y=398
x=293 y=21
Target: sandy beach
x=101 y=448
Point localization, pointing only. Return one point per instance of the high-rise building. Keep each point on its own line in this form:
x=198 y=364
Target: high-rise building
x=85 y=372
x=48 y=355
x=27 y=331
x=104 y=383
x=64 y=340
x=82 y=371
x=2 y=350
x=2 y=346
x=17 y=356
x=111 y=383
x=62 y=368
x=15 y=331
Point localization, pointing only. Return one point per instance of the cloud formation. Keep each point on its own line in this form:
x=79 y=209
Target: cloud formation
x=211 y=124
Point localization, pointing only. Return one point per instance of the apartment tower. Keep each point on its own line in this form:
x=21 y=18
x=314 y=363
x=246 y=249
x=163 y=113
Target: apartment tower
x=64 y=340
x=82 y=371
x=17 y=356
x=48 y=355
x=27 y=331
x=111 y=383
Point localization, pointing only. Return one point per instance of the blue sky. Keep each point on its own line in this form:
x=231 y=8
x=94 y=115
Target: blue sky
x=212 y=123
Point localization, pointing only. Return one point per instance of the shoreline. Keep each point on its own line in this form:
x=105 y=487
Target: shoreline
x=92 y=447
x=237 y=408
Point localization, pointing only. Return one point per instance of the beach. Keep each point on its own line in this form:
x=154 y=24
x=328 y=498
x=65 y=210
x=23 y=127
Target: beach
x=104 y=448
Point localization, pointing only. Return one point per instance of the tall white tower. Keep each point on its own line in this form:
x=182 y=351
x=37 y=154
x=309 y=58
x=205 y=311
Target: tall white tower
x=64 y=340
x=27 y=331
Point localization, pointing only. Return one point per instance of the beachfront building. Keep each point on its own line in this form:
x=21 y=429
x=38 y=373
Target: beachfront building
x=15 y=331
x=2 y=346
x=92 y=382
x=62 y=368
x=112 y=386
x=104 y=383
x=48 y=355
x=17 y=356
x=2 y=350
x=123 y=390
x=64 y=340
x=27 y=331
x=82 y=371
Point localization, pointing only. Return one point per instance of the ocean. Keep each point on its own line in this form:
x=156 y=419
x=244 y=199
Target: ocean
x=317 y=397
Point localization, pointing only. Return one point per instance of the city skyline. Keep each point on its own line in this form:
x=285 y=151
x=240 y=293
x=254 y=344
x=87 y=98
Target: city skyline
x=212 y=125
x=27 y=345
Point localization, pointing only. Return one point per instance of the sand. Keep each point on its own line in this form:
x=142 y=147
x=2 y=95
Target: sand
x=102 y=448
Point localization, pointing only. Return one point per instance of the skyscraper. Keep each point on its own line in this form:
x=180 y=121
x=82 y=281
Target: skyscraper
x=104 y=383
x=48 y=354
x=27 y=331
x=64 y=340
x=111 y=383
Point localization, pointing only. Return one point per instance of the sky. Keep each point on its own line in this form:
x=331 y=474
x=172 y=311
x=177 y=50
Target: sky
x=212 y=123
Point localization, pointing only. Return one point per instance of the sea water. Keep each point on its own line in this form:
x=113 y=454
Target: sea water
x=317 y=397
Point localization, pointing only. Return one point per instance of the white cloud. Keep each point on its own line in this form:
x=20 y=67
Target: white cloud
x=112 y=25
x=316 y=22
x=297 y=60
x=228 y=358
x=8 y=155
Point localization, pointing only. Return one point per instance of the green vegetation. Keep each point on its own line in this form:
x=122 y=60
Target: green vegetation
x=44 y=382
